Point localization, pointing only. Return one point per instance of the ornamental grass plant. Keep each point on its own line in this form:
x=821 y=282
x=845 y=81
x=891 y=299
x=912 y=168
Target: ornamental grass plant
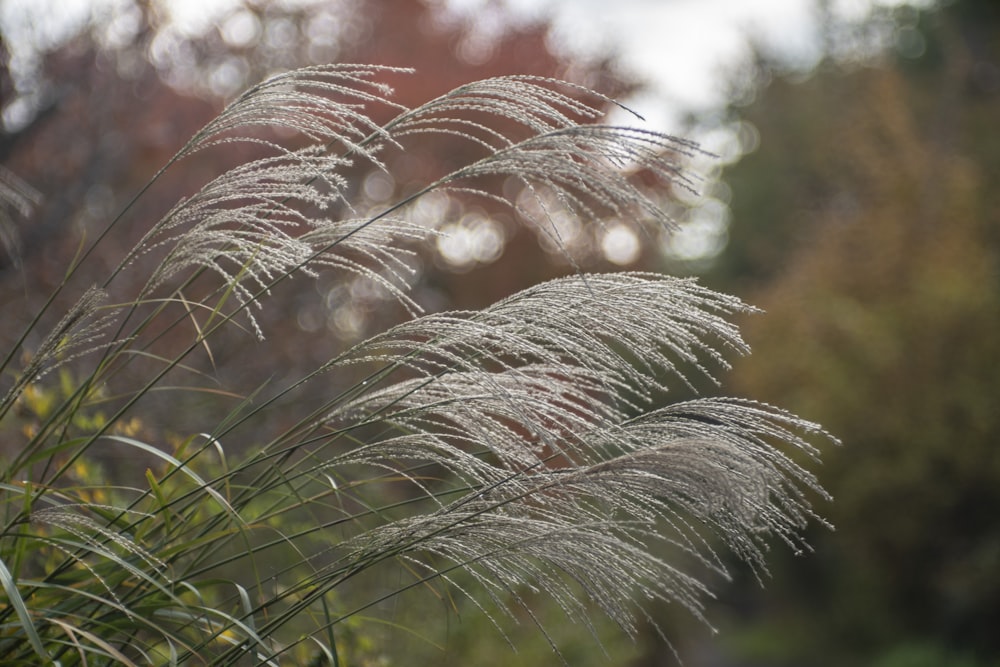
x=531 y=448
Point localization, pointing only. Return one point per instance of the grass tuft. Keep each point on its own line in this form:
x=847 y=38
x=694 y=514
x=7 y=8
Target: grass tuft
x=527 y=449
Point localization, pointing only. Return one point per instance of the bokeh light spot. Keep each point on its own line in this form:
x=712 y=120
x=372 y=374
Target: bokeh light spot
x=241 y=29
x=379 y=186
x=475 y=239
x=620 y=245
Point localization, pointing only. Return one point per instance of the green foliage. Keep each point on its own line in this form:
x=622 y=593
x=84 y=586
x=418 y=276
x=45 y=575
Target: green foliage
x=519 y=453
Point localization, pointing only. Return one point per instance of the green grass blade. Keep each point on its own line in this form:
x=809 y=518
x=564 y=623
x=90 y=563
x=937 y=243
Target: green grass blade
x=72 y=631
x=16 y=601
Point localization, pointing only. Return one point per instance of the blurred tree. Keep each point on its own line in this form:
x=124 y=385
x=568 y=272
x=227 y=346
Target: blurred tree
x=867 y=226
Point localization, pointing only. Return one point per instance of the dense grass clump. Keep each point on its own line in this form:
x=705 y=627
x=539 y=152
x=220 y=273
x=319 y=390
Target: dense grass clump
x=500 y=454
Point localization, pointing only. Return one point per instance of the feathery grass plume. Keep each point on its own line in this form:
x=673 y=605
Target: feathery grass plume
x=81 y=331
x=522 y=404
x=325 y=103
x=16 y=198
x=526 y=448
x=581 y=164
x=242 y=225
x=561 y=164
